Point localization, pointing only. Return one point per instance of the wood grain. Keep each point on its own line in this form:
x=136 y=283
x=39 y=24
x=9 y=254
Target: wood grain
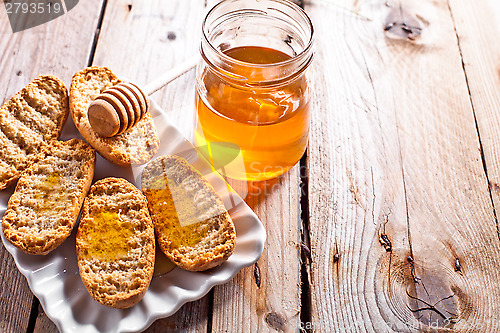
x=43 y=323
x=59 y=47
x=47 y=49
x=139 y=40
x=478 y=27
x=394 y=138
x=266 y=298
x=15 y=296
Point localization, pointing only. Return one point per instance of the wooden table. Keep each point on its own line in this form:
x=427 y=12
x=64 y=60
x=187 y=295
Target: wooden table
x=388 y=224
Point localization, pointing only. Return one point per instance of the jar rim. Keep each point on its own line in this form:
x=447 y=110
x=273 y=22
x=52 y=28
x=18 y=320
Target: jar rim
x=302 y=54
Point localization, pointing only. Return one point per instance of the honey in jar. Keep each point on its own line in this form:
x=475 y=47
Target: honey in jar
x=254 y=97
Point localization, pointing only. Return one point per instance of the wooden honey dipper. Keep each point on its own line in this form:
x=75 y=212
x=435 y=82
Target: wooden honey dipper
x=122 y=106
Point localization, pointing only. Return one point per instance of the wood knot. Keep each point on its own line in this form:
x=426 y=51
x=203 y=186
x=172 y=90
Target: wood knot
x=256 y=274
x=430 y=295
x=402 y=29
x=458 y=265
x=401 y=25
x=494 y=187
x=425 y=294
x=275 y=321
x=171 y=35
x=383 y=238
x=385 y=242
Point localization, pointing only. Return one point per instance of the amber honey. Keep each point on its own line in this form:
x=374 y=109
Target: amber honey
x=178 y=210
x=162 y=205
x=50 y=197
x=106 y=236
x=268 y=122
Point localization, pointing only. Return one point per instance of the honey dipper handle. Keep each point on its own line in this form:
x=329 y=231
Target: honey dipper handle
x=171 y=75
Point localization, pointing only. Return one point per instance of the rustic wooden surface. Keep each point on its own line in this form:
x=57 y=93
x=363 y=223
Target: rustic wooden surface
x=410 y=214
x=389 y=223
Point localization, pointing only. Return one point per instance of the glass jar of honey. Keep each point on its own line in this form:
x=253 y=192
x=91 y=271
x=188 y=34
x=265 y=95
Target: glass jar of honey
x=252 y=89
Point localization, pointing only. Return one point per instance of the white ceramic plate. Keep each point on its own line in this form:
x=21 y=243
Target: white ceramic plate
x=54 y=278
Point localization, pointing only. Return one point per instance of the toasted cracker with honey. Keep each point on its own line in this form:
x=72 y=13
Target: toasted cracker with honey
x=194 y=229
x=46 y=202
x=115 y=243
x=136 y=145
x=32 y=117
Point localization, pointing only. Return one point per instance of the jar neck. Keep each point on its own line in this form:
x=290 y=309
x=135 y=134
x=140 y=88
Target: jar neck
x=276 y=24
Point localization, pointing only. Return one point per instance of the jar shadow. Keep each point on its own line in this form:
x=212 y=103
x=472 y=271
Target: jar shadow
x=253 y=192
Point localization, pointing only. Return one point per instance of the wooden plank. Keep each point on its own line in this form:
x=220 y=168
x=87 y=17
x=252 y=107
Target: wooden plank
x=49 y=48
x=43 y=323
x=393 y=137
x=276 y=302
x=478 y=27
x=355 y=179
x=139 y=40
x=15 y=296
x=192 y=317
x=267 y=298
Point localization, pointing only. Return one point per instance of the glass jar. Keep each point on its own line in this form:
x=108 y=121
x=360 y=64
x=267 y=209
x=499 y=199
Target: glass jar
x=252 y=89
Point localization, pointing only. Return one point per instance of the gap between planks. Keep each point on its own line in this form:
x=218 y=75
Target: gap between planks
x=33 y=315
x=305 y=248
x=97 y=33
